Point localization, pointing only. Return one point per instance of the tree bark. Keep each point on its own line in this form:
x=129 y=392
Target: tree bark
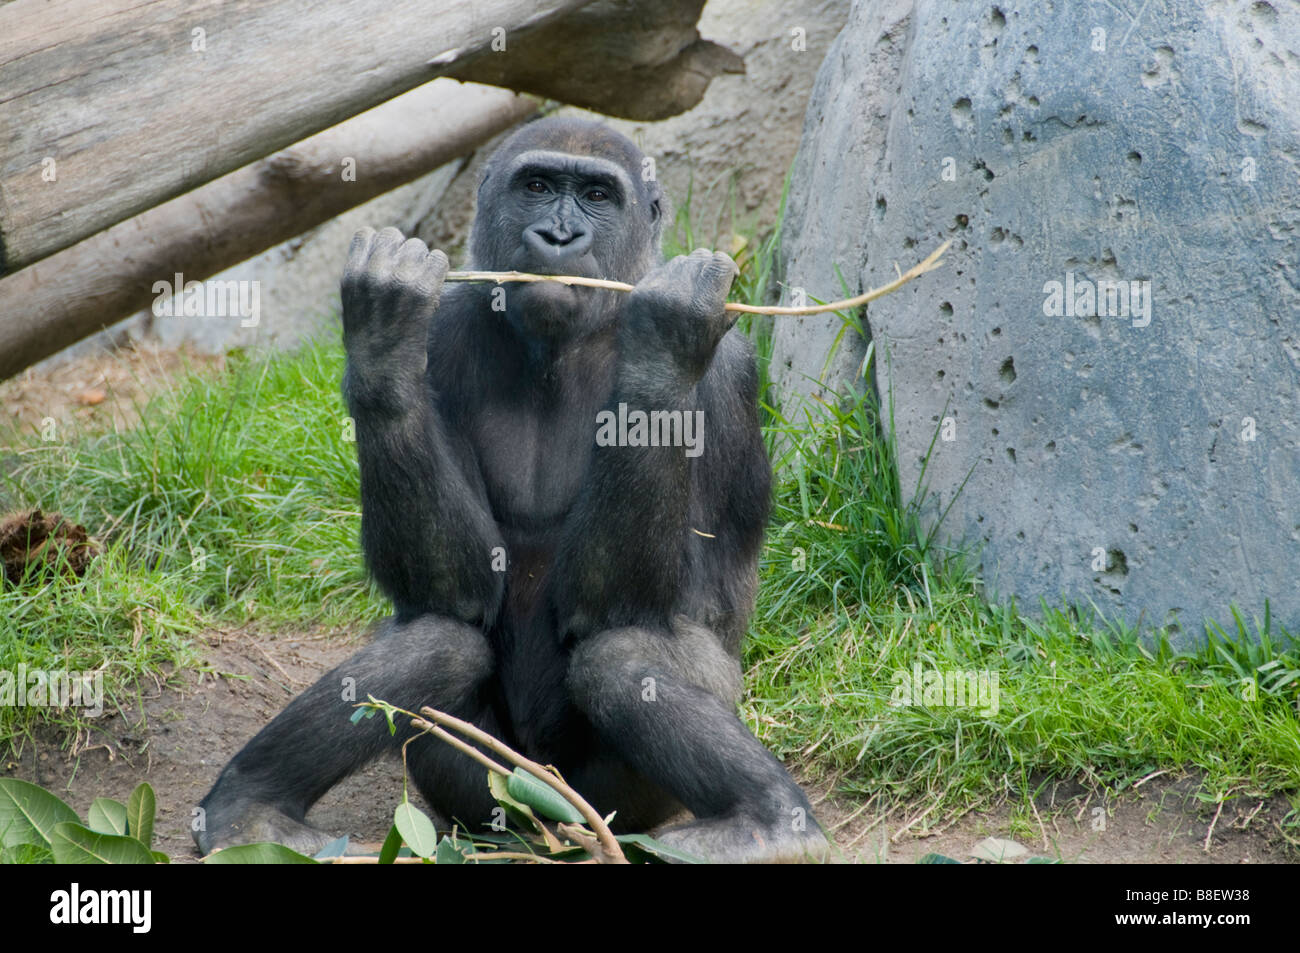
x=76 y=292
x=116 y=94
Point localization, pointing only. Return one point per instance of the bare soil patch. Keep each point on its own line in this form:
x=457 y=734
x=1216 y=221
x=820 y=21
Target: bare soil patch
x=178 y=737
x=100 y=391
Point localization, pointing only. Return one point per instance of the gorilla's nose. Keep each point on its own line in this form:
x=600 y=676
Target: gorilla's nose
x=553 y=242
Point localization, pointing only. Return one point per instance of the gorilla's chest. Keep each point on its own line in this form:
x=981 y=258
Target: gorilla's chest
x=534 y=461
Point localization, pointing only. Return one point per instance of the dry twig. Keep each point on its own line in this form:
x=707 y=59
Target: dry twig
x=929 y=264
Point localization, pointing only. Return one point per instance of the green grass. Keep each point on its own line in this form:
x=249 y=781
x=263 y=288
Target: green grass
x=241 y=489
x=237 y=498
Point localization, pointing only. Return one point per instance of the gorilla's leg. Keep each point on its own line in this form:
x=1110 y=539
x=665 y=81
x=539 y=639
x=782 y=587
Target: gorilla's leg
x=264 y=793
x=665 y=703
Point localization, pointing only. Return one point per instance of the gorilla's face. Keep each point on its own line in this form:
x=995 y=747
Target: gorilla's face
x=566 y=197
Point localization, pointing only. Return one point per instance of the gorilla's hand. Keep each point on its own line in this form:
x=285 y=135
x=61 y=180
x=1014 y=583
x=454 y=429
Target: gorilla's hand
x=676 y=313
x=390 y=290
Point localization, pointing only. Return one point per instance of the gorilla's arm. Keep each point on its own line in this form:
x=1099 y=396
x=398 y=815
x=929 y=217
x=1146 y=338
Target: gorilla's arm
x=623 y=557
x=731 y=497
x=656 y=602
x=425 y=525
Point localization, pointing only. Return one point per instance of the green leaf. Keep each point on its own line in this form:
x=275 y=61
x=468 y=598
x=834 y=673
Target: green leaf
x=258 y=854
x=541 y=797
x=107 y=816
x=416 y=829
x=392 y=844
x=159 y=857
x=647 y=848
x=334 y=848
x=362 y=713
x=937 y=859
x=448 y=853
x=998 y=850
x=74 y=844
x=29 y=813
x=517 y=812
x=497 y=785
x=140 y=809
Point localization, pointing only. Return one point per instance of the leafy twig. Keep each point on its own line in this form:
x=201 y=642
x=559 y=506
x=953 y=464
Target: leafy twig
x=606 y=849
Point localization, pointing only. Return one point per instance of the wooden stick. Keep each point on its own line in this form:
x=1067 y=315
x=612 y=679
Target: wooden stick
x=497 y=855
x=459 y=745
x=931 y=262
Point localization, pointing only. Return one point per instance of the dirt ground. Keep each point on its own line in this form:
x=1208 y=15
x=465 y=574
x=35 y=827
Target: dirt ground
x=96 y=391
x=181 y=735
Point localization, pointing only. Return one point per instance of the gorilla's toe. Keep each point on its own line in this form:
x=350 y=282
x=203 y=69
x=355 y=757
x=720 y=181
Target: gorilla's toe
x=251 y=822
x=745 y=841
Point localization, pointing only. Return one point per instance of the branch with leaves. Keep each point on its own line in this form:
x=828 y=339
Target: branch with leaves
x=604 y=848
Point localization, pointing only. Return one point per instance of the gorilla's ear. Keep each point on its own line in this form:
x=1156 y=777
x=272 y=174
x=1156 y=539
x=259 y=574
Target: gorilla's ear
x=655 y=198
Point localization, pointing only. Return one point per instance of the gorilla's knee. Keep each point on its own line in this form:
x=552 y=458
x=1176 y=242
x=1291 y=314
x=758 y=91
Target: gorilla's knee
x=453 y=653
x=689 y=653
x=268 y=787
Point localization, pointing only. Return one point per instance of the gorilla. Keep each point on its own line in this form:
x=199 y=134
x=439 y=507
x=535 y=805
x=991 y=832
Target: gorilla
x=564 y=493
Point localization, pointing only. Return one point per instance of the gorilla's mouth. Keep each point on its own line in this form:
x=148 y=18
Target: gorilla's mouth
x=579 y=266
x=552 y=310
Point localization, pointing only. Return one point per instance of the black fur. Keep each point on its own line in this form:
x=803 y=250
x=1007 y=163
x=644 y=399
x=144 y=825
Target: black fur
x=609 y=645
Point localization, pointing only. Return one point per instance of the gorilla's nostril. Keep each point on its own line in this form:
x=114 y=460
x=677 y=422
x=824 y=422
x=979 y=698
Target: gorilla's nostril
x=559 y=236
x=553 y=242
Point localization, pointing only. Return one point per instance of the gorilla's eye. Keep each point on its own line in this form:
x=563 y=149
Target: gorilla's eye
x=536 y=185
x=597 y=195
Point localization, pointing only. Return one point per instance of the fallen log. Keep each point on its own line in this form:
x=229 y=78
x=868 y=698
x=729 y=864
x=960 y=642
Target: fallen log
x=110 y=107
x=76 y=292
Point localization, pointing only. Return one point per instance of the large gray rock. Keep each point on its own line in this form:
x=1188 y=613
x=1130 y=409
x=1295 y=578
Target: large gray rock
x=1157 y=144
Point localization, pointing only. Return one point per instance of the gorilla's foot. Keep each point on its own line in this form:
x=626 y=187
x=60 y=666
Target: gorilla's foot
x=253 y=822
x=745 y=840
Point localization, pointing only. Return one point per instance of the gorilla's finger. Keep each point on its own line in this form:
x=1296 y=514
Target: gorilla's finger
x=436 y=266
x=721 y=268
x=361 y=240
x=408 y=263
x=359 y=250
x=383 y=250
x=427 y=272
